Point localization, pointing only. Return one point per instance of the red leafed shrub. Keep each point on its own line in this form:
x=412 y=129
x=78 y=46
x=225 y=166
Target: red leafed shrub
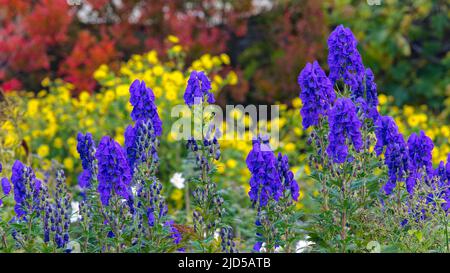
x=70 y=39
x=87 y=55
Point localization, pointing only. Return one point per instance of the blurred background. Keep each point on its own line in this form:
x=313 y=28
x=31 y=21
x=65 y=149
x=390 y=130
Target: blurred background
x=406 y=43
x=66 y=66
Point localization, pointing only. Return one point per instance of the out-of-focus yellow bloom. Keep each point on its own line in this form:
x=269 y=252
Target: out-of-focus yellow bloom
x=158 y=70
x=43 y=150
x=289 y=147
x=173 y=39
x=58 y=143
x=68 y=163
x=232 y=78
x=382 y=99
x=231 y=163
x=122 y=90
x=177 y=49
x=297 y=103
x=152 y=57
x=225 y=58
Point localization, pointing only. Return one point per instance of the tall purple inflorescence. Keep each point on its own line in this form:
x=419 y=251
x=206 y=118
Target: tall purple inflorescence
x=317 y=94
x=140 y=144
x=344 y=60
x=86 y=149
x=265 y=181
x=386 y=132
x=198 y=87
x=397 y=160
x=367 y=94
x=114 y=174
x=144 y=108
x=420 y=149
x=26 y=189
x=287 y=176
x=344 y=125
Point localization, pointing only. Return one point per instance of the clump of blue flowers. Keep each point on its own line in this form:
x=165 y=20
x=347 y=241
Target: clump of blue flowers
x=198 y=89
x=273 y=190
x=317 y=94
x=344 y=60
x=344 y=128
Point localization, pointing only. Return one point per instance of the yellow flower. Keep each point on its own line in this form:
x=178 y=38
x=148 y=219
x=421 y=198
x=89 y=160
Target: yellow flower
x=177 y=49
x=158 y=70
x=43 y=150
x=297 y=103
x=206 y=61
x=232 y=78
x=84 y=96
x=307 y=170
x=289 y=147
x=152 y=57
x=45 y=82
x=445 y=131
x=33 y=107
x=122 y=90
x=413 y=120
x=171 y=95
x=382 y=99
x=173 y=39
x=58 y=143
x=225 y=58
x=220 y=167
x=68 y=163
x=231 y=163
x=176 y=195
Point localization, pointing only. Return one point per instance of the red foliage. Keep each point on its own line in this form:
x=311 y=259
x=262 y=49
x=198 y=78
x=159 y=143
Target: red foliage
x=52 y=38
x=86 y=56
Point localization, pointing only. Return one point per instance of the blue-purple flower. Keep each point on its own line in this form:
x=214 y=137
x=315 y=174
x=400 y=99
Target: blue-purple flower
x=397 y=161
x=86 y=149
x=386 y=131
x=367 y=94
x=265 y=181
x=114 y=175
x=198 y=87
x=144 y=108
x=317 y=94
x=140 y=144
x=26 y=188
x=344 y=125
x=344 y=60
x=420 y=149
x=6 y=186
x=287 y=176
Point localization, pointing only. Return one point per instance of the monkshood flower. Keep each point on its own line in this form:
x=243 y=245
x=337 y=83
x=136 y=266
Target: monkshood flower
x=420 y=158
x=367 y=94
x=198 y=87
x=287 y=176
x=141 y=144
x=114 y=175
x=86 y=150
x=397 y=160
x=442 y=183
x=386 y=131
x=226 y=240
x=6 y=186
x=317 y=94
x=344 y=125
x=344 y=60
x=174 y=233
x=144 y=108
x=57 y=214
x=265 y=180
x=420 y=151
x=26 y=189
